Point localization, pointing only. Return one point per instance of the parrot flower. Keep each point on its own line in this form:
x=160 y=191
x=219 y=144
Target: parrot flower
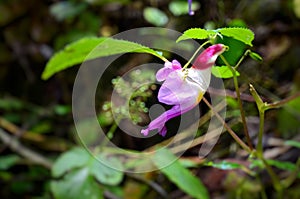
x=183 y=88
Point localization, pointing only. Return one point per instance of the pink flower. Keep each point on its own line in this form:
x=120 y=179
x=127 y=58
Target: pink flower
x=183 y=89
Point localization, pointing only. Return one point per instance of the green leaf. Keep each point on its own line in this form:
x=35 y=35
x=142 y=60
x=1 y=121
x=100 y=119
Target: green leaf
x=296 y=8
x=75 y=158
x=288 y=118
x=181 y=7
x=76 y=185
x=62 y=109
x=292 y=143
x=11 y=104
x=104 y=173
x=195 y=33
x=155 y=16
x=223 y=72
x=81 y=158
x=225 y=165
x=242 y=34
x=179 y=175
x=287 y=166
x=255 y=56
x=91 y=48
x=8 y=161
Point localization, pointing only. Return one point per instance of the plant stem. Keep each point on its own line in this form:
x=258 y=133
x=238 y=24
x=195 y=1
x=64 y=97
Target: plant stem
x=237 y=90
x=259 y=146
x=196 y=52
x=230 y=131
x=242 y=58
x=19 y=148
x=284 y=101
x=275 y=180
x=262 y=107
x=293 y=176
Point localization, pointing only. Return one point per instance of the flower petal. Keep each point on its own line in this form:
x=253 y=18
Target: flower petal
x=178 y=90
x=168 y=68
x=159 y=122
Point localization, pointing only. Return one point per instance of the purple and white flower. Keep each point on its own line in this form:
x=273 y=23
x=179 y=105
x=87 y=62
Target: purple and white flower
x=183 y=88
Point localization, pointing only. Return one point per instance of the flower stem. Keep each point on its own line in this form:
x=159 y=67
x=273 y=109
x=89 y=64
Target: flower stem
x=242 y=58
x=196 y=52
x=237 y=90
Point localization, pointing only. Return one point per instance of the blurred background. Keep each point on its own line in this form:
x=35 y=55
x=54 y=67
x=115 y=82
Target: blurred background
x=35 y=115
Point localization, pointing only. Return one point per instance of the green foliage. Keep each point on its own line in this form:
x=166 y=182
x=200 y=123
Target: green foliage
x=73 y=159
x=80 y=158
x=11 y=104
x=283 y=165
x=292 y=143
x=224 y=165
x=255 y=56
x=91 y=48
x=195 y=33
x=223 y=72
x=76 y=185
x=155 y=16
x=241 y=34
x=288 y=118
x=179 y=175
x=81 y=172
x=8 y=160
x=31 y=31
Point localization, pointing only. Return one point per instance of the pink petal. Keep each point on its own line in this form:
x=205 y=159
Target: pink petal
x=208 y=57
x=169 y=67
x=176 y=90
x=159 y=122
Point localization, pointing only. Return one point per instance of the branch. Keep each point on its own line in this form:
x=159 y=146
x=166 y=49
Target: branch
x=16 y=146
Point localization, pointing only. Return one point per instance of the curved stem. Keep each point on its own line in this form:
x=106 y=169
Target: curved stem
x=196 y=52
x=242 y=58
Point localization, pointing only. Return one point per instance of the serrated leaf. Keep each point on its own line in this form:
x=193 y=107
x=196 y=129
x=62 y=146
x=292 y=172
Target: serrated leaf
x=155 y=16
x=255 y=56
x=224 y=165
x=75 y=158
x=91 y=48
x=223 y=72
x=242 y=34
x=195 y=33
x=76 y=185
x=179 y=175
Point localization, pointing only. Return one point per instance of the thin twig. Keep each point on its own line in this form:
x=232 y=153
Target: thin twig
x=16 y=146
x=284 y=101
x=230 y=131
x=150 y=183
